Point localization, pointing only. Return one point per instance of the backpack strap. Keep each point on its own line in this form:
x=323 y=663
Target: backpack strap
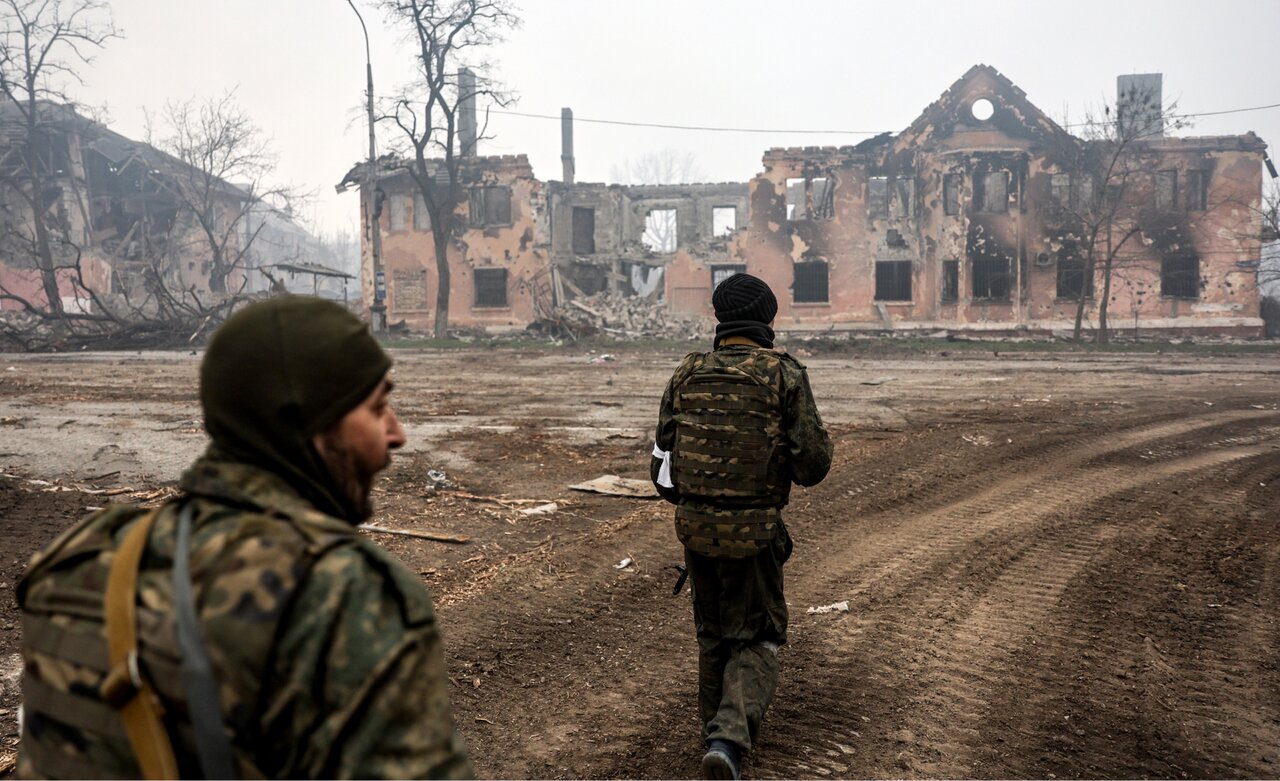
x=124 y=687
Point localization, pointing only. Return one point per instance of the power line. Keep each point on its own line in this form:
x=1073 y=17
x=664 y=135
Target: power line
x=716 y=129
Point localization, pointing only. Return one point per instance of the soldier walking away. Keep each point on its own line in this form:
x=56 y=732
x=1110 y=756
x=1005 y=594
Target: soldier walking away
x=738 y=425
x=245 y=628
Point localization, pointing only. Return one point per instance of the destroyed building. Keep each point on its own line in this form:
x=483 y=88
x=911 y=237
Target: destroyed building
x=983 y=215
x=113 y=207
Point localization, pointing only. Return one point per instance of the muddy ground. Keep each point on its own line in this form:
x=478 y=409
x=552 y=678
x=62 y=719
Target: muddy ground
x=1057 y=565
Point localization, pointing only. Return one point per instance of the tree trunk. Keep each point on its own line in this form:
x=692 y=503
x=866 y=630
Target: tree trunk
x=440 y=238
x=1103 y=336
x=1085 y=279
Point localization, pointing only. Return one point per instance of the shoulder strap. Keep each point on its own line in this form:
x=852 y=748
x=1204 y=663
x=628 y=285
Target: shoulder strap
x=124 y=687
x=212 y=745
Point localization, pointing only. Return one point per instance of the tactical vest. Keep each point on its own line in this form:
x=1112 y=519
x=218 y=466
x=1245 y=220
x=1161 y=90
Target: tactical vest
x=70 y=729
x=728 y=463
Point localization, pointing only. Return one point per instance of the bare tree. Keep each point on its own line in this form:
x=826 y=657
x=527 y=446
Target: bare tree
x=43 y=43
x=222 y=180
x=448 y=35
x=1111 y=197
x=666 y=166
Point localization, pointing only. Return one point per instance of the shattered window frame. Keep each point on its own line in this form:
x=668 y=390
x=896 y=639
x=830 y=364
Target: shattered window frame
x=811 y=282
x=1070 y=277
x=719 y=227
x=992 y=204
x=490 y=206
x=1180 y=277
x=894 y=280
x=722 y=271
x=902 y=203
x=950 y=292
x=490 y=288
x=396 y=213
x=810 y=198
x=951 y=184
x=992 y=279
x=1165 y=190
x=582 y=238
x=1060 y=190
x=1196 y=190
x=661 y=230
x=877 y=197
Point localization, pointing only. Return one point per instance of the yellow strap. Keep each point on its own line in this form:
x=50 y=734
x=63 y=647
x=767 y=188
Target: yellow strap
x=124 y=687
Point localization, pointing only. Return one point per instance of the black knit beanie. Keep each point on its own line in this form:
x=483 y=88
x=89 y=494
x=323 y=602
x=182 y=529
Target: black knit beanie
x=279 y=372
x=744 y=297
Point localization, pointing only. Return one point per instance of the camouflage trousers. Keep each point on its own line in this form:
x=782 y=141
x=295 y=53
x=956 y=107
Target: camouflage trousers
x=741 y=619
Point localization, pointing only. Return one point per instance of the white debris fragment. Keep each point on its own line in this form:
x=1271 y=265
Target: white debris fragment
x=542 y=509
x=627 y=562
x=834 y=607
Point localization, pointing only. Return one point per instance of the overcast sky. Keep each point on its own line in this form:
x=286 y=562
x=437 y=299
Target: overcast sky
x=298 y=68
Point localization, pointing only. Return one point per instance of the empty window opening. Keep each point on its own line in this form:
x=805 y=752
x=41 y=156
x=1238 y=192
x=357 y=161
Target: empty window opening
x=893 y=280
x=660 y=230
x=877 y=196
x=982 y=109
x=722 y=272
x=1166 y=195
x=811 y=198
x=1196 y=190
x=904 y=198
x=1084 y=191
x=584 y=230
x=811 y=282
x=1180 y=277
x=995 y=192
x=951 y=193
x=491 y=287
x=1072 y=280
x=724 y=220
x=991 y=279
x=421 y=217
x=950 y=281
x=397 y=212
x=490 y=206
x=1060 y=190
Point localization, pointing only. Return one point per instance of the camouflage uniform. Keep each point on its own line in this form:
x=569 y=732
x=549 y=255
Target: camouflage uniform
x=735 y=549
x=326 y=649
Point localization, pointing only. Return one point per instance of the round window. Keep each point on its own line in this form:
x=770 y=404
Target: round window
x=982 y=109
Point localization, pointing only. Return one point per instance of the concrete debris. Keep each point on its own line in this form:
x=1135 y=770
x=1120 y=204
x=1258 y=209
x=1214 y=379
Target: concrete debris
x=612 y=485
x=834 y=607
x=542 y=509
x=627 y=562
x=615 y=316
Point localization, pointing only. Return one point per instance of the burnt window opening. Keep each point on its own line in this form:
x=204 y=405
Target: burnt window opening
x=1196 y=190
x=904 y=198
x=490 y=206
x=491 y=287
x=995 y=192
x=421 y=217
x=811 y=198
x=893 y=238
x=1166 y=191
x=951 y=193
x=1060 y=190
x=990 y=279
x=722 y=272
x=584 y=230
x=661 y=230
x=877 y=196
x=397 y=212
x=811 y=282
x=893 y=280
x=1084 y=191
x=1180 y=277
x=724 y=220
x=1072 y=278
x=950 y=281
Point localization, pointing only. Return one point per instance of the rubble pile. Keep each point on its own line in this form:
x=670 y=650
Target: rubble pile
x=627 y=317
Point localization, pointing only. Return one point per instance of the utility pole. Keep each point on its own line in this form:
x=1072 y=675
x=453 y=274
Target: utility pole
x=378 y=311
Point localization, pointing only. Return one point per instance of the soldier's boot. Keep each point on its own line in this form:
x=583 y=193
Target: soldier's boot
x=723 y=761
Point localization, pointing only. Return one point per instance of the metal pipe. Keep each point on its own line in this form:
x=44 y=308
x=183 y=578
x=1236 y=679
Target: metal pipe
x=378 y=310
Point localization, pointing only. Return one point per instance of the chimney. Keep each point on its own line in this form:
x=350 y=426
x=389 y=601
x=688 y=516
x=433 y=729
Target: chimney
x=1140 y=105
x=466 y=112
x=566 y=143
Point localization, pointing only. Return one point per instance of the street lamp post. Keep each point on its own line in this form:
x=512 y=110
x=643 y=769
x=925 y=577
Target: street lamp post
x=378 y=311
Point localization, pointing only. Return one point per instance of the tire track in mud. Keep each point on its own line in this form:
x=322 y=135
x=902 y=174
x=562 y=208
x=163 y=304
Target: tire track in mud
x=610 y=654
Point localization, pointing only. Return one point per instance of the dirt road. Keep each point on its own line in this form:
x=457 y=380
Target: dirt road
x=1056 y=566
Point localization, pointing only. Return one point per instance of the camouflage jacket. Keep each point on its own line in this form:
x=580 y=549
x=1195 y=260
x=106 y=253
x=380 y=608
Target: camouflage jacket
x=326 y=649
x=806 y=452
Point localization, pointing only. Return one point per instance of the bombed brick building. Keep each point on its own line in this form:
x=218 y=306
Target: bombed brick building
x=985 y=214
